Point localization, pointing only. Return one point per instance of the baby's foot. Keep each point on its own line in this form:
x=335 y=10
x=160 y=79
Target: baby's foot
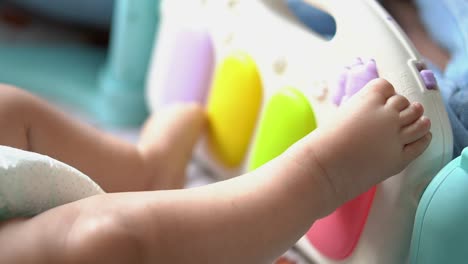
x=378 y=133
x=167 y=142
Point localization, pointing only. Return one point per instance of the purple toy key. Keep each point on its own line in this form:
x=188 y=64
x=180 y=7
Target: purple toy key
x=189 y=68
x=353 y=78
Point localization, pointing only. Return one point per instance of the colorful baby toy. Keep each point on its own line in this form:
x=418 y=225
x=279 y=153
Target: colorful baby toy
x=265 y=79
x=269 y=76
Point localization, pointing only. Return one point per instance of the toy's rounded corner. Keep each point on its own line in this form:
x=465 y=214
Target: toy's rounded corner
x=428 y=221
x=464 y=160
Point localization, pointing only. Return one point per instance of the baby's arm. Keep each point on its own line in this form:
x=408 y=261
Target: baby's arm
x=31 y=124
x=249 y=219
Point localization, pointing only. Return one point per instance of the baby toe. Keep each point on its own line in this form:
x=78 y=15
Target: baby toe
x=381 y=88
x=410 y=114
x=398 y=102
x=415 y=130
x=416 y=148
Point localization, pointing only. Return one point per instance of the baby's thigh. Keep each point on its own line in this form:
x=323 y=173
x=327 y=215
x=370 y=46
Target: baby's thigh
x=87 y=231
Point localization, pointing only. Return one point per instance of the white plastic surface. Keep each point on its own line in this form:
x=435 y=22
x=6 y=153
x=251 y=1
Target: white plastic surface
x=270 y=34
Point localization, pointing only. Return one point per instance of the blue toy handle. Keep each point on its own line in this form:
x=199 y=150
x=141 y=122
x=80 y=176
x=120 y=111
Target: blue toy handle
x=316 y=19
x=123 y=77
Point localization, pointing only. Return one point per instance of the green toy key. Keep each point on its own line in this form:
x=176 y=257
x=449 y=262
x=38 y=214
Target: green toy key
x=288 y=117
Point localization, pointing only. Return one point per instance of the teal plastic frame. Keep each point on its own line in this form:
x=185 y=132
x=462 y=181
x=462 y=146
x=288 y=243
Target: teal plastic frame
x=107 y=84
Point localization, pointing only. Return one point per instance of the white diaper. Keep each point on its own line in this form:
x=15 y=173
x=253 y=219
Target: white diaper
x=31 y=183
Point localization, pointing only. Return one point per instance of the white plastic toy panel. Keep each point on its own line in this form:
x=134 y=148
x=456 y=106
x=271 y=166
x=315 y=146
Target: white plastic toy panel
x=196 y=39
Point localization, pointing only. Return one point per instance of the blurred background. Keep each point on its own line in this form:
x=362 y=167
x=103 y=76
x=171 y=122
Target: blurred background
x=92 y=58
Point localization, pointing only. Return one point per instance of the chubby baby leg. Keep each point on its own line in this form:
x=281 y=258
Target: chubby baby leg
x=252 y=218
x=158 y=162
x=376 y=134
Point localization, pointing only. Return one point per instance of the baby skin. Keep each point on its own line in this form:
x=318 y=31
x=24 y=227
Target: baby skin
x=376 y=134
x=29 y=123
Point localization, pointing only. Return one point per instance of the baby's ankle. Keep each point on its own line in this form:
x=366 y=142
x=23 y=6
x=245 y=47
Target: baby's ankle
x=308 y=163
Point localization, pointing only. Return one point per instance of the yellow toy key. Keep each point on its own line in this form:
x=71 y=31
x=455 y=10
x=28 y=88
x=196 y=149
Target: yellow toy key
x=233 y=108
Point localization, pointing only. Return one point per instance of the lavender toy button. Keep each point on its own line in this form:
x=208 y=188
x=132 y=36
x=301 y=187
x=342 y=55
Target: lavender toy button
x=429 y=79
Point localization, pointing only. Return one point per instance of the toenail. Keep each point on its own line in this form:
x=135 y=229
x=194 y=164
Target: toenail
x=418 y=107
x=426 y=121
x=428 y=136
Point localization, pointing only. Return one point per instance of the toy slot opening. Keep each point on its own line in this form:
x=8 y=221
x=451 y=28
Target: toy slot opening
x=304 y=14
x=314 y=19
